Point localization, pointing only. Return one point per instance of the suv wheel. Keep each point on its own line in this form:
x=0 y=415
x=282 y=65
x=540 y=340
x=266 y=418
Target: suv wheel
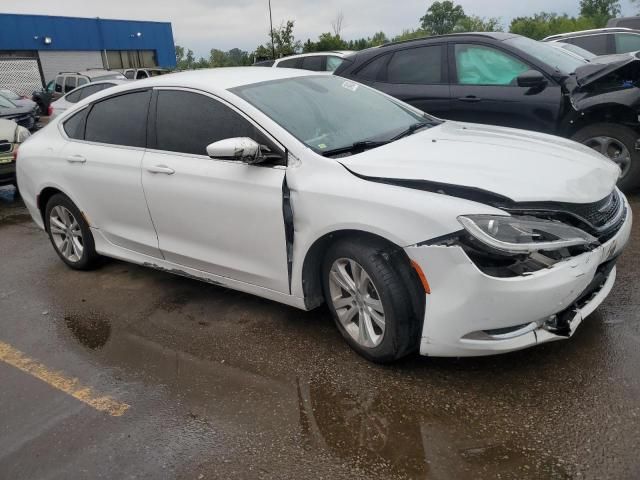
x=370 y=302
x=618 y=143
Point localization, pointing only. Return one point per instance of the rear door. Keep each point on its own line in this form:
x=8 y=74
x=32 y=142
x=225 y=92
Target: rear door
x=103 y=159
x=484 y=89
x=417 y=75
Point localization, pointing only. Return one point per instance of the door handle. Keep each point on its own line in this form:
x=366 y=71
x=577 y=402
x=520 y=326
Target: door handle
x=470 y=99
x=161 y=169
x=76 y=159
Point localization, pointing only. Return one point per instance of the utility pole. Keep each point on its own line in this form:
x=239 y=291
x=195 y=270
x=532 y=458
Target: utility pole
x=273 y=46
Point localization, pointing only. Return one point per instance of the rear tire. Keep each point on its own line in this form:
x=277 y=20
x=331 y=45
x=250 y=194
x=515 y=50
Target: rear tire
x=70 y=234
x=617 y=142
x=369 y=299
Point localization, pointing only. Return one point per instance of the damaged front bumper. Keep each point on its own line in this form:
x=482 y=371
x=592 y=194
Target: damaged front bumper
x=470 y=313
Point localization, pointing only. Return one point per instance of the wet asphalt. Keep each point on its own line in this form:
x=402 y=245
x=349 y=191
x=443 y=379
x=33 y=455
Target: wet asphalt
x=221 y=384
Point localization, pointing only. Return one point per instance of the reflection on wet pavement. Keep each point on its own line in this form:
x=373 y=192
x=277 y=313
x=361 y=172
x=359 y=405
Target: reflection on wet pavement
x=254 y=389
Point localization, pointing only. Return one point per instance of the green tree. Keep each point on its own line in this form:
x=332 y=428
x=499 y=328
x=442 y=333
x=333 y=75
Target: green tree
x=409 y=34
x=599 y=11
x=543 y=24
x=379 y=38
x=442 y=17
x=474 y=23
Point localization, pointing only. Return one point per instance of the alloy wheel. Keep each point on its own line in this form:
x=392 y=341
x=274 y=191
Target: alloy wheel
x=357 y=302
x=66 y=233
x=612 y=148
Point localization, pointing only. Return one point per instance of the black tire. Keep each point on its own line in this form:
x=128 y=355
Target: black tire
x=625 y=135
x=394 y=281
x=89 y=259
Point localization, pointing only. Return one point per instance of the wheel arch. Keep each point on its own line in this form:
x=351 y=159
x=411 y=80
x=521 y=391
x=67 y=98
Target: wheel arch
x=311 y=276
x=609 y=113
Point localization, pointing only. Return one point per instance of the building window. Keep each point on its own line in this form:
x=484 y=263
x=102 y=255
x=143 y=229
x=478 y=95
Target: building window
x=119 y=59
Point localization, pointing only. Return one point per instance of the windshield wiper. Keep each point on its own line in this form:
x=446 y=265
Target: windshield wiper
x=356 y=147
x=412 y=129
x=361 y=146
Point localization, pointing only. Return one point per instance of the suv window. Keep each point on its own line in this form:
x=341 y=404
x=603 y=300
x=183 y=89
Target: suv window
x=291 y=63
x=627 y=42
x=141 y=74
x=59 y=81
x=372 y=70
x=422 y=65
x=129 y=74
x=82 y=81
x=69 y=83
x=120 y=120
x=480 y=65
x=91 y=89
x=187 y=122
x=312 y=63
x=594 y=43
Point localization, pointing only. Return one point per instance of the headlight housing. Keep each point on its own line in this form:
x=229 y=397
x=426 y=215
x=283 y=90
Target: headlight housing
x=523 y=234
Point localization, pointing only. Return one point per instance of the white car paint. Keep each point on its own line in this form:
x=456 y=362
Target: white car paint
x=222 y=221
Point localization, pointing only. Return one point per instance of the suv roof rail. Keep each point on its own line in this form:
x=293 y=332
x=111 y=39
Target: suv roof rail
x=593 y=30
x=429 y=37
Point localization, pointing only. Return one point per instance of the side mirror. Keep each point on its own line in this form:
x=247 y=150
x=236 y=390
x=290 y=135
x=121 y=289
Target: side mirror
x=531 y=79
x=243 y=149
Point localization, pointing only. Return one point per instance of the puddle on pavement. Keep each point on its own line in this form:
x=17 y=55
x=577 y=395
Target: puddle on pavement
x=91 y=330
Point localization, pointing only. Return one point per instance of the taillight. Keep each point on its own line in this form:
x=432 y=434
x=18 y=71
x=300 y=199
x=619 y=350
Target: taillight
x=49 y=110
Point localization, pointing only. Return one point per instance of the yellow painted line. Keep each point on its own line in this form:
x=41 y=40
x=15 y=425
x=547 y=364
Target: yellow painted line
x=70 y=386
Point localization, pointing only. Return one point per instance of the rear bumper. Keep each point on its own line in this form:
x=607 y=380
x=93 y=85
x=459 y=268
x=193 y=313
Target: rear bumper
x=469 y=313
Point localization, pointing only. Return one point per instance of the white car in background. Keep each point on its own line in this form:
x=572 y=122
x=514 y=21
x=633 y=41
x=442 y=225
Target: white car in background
x=315 y=61
x=446 y=238
x=80 y=93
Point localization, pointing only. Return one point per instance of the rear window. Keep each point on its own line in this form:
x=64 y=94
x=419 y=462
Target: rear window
x=120 y=120
x=416 y=66
x=594 y=43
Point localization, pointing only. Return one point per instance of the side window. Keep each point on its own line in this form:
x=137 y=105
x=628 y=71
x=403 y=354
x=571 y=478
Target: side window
x=82 y=81
x=74 y=96
x=129 y=74
x=479 y=65
x=627 y=42
x=91 y=89
x=59 y=81
x=291 y=63
x=69 y=83
x=594 y=43
x=74 y=126
x=333 y=63
x=312 y=63
x=421 y=65
x=141 y=74
x=120 y=120
x=187 y=122
x=372 y=69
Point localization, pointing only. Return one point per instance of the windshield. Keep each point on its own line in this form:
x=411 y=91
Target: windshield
x=9 y=94
x=328 y=113
x=577 y=50
x=555 y=58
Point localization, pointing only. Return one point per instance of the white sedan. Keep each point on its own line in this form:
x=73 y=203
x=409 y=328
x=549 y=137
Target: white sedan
x=421 y=235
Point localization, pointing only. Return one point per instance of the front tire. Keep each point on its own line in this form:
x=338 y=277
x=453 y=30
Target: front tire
x=369 y=300
x=618 y=143
x=70 y=234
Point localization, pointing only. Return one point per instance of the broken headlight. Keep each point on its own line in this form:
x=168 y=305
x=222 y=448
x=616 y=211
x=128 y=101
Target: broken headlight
x=519 y=234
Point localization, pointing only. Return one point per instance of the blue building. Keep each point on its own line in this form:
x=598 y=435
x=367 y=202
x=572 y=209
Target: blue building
x=71 y=44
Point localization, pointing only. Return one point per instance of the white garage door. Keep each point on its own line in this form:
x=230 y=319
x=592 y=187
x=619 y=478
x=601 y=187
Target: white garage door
x=56 y=62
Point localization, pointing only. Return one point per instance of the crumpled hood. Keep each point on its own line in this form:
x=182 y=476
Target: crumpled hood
x=594 y=71
x=520 y=165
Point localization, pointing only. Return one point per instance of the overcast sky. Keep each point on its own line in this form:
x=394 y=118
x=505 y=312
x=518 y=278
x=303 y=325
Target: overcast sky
x=225 y=24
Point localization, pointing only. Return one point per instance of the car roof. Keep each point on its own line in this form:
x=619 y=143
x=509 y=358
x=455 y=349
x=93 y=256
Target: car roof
x=493 y=35
x=93 y=72
x=340 y=53
x=594 y=31
x=224 y=78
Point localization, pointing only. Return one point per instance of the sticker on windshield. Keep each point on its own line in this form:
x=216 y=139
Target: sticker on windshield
x=350 y=85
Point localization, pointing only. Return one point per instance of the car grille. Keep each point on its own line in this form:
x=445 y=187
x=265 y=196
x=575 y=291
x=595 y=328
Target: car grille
x=601 y=219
